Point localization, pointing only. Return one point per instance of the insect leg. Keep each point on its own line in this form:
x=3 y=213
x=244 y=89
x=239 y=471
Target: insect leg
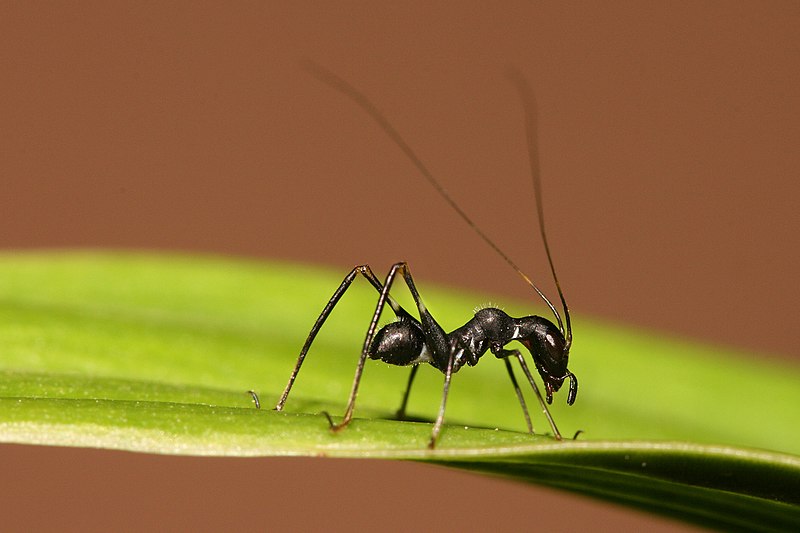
x=436 y=339
x=440 y=417
x=546 y=411
x=401 y=413
x=435 y=336
x=254 y=396
x=519 y=392
x=365 y=271
x=500 y=353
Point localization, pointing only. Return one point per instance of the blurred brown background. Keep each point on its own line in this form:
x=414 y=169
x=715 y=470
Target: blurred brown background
x=669 y=145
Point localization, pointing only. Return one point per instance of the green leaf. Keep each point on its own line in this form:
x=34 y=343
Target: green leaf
x=157 y=353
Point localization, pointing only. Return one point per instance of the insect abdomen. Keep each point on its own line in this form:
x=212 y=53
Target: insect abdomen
x=400 y=343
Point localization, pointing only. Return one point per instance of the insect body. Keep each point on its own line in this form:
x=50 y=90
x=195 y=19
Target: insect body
x=410 y=341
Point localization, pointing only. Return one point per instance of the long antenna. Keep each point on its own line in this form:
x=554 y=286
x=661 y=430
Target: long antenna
x=331 y=79
x=531 y=126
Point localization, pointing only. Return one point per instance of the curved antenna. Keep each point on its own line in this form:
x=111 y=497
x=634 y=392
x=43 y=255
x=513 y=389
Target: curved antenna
x=331 y=79
x=531 y=126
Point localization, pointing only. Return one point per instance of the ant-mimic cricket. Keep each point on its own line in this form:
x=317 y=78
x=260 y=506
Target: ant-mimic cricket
x=410 y=342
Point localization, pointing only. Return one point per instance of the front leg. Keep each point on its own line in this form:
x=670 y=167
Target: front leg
x=501 y=353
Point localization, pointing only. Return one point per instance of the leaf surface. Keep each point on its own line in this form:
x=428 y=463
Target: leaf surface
x=156 y=353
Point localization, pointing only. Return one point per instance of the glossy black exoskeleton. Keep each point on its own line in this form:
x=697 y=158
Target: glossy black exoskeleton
x=410 y=341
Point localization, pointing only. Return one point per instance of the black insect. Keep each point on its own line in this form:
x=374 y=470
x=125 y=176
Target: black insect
x=411 y=342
